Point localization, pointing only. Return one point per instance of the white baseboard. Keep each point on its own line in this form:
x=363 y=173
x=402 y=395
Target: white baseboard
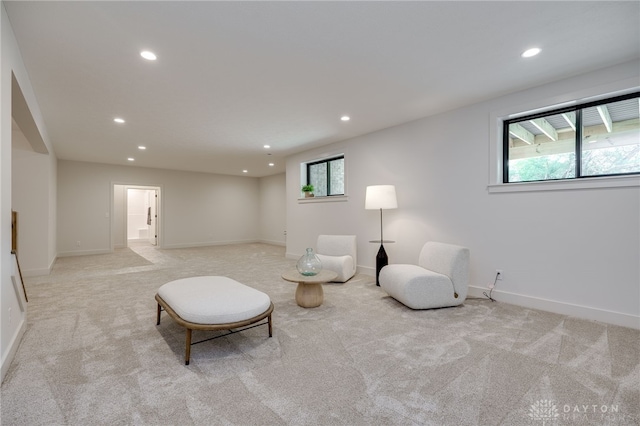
x=83 y=252
x=366 y=270
x=36 y=272
x=273 y=243
x=13 y=348
x=209 y=243
x=584 y=312
x=171 y=246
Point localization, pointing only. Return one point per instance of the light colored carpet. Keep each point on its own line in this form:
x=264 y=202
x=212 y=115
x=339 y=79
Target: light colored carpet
x=92 y=354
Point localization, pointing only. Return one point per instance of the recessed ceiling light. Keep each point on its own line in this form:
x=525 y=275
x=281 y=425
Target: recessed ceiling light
x=245 y=171
x=118 y=120
x=131 y=159
x=267 y=146
x=345 y=118
x=150 y=56
x=271 y=164
x=142 y=148
x=530 y=52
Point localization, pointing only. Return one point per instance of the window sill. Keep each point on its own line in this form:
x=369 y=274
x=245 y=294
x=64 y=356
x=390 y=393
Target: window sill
x=569 y=184
x=331 y=199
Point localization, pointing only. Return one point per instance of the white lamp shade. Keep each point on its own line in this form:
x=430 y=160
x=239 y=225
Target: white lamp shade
x=381 y=197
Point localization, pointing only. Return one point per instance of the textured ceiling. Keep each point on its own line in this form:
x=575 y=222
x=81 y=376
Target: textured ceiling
x=233 y=76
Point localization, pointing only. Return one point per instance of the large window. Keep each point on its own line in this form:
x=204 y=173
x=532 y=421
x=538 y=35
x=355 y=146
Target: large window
x=326 y=176
x=593 y=139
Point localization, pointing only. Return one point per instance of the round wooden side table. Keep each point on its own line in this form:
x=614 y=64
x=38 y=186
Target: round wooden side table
x=309 y=293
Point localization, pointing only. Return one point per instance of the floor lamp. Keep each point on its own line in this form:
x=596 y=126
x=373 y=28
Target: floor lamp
x=381 y=197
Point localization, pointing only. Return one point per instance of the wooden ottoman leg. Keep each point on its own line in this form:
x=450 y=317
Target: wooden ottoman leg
x=187 y=353
x=190 y=326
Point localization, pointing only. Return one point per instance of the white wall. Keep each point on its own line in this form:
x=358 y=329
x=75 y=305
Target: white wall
x=12 y=316
x=196 y=208
x=118 y=223
x=31 y=198
x=273 y=214
x=570 y=251
x=137 y=205
x=8 y=299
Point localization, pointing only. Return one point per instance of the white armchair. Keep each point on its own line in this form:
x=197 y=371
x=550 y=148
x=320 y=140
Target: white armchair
x=338 y=253
x=440 y=279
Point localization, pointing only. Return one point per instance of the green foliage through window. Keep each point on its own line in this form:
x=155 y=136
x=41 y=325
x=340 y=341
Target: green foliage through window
x=327 y=176
x=595 y=139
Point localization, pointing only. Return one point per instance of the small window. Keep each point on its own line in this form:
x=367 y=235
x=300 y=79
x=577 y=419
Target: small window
x=595 y=139
x=326 y=176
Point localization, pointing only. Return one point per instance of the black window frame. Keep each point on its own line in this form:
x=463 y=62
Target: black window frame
x=577 y=109
x=325 y=161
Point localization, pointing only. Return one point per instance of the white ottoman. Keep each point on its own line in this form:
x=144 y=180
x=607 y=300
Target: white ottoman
x=213 y=303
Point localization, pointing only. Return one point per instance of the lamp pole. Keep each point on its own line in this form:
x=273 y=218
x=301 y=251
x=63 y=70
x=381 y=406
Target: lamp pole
x=381 y=258
x=380 y=197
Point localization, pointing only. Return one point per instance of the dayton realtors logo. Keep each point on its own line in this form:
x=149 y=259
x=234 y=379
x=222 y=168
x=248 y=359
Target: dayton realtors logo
x=548 y=412
x=544 y=410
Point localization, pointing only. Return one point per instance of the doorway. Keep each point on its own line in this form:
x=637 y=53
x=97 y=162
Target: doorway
x=137 y=218
x=142 y=216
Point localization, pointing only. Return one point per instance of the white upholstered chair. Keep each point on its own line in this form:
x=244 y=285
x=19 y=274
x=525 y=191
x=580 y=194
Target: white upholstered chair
x=338 y=254
x=440 y=279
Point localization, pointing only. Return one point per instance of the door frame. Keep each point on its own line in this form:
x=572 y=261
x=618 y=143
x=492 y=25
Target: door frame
x=159 y=212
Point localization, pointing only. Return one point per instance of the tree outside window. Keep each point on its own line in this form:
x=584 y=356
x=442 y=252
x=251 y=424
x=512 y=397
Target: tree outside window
x=595 y=139
x=326 y=176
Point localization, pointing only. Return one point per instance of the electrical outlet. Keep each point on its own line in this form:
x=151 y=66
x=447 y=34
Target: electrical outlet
x=500 y=274
x=77 y=243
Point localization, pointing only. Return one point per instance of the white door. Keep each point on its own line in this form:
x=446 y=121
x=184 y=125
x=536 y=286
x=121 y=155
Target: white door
x=152 y=217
